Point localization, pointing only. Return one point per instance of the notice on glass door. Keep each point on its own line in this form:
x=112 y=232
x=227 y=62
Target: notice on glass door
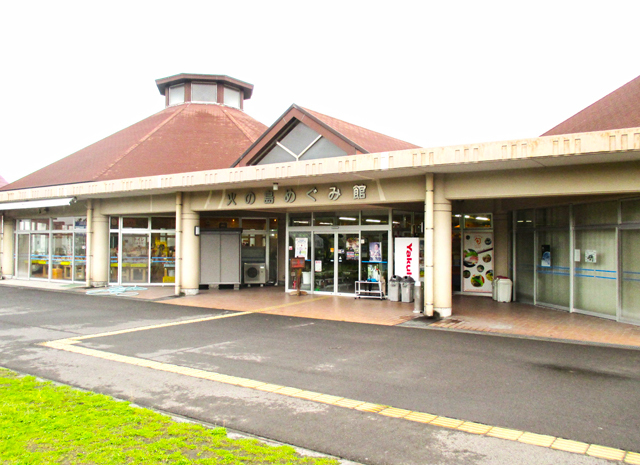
x=477 y=274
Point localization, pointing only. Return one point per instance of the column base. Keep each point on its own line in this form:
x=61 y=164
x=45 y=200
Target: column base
x=443 y=311
x=99 y=284
x=190 y=291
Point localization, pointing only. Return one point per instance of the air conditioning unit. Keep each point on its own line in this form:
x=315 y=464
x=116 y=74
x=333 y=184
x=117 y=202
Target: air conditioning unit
x=255 y=273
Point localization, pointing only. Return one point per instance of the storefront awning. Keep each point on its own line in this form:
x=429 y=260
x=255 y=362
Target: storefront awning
x=38 y=204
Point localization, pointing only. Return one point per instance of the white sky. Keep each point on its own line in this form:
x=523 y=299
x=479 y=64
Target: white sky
x=428 y=72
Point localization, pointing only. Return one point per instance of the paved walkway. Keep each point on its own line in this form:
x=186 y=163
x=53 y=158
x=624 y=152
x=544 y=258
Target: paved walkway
x=470 y=313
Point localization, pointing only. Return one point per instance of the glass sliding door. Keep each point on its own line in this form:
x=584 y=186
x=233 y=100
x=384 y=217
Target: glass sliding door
x=595 y=282
x=80 y=262
x=40 y=255
x=553 y=268
x=300 y=246
x=62 y=257
x=630 y=286
x=324 y=268
x=23 y=256
x=135 y=258
x=348 y=255
x=524 y=266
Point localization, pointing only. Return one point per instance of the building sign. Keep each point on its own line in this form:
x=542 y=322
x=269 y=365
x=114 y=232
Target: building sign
x=477 y=269
x=333 y=194
x=407 y=257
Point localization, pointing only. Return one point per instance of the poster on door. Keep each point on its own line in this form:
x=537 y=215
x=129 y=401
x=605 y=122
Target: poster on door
x=477 y=262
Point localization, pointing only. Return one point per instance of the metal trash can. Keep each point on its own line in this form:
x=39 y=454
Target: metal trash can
x=418 y=298
x=407 y=289
x=394 y=289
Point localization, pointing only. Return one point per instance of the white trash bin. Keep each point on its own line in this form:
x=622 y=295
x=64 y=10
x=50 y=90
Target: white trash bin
x=503 y=289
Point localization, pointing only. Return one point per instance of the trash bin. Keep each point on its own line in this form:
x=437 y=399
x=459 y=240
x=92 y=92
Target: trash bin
x=407 y=289
x=503 y=289
x=394 y=289
x=418 y=306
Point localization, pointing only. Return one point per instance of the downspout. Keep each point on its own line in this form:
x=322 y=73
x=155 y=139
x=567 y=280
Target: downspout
x=428 y=246
x=89 y=241
x=178 y=257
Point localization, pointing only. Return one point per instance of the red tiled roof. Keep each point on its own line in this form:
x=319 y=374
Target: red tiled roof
x=620 y=109
x=182 y=138
x=371 y=141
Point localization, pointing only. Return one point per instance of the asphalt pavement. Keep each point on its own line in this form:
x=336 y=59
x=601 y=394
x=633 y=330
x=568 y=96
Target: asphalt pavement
x=579 y=392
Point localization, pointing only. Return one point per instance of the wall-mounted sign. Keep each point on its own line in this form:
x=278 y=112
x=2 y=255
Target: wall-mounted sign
x=477 y=262
x=590 y=256
x=407 y=257
x=546 y=256
x=302 y=244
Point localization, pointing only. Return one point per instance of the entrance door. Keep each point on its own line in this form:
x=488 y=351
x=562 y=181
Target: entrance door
x=24 y=260
x=337 y=256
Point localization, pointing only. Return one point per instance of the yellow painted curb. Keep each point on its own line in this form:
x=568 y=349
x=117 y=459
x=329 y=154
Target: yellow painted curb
x=633 y=458
x=394 y=412
x=603 y=452
x=570 y=446
x=505 y=433
x=447 y=422
x=475 y=428
x=537 y=439
x=421 y=417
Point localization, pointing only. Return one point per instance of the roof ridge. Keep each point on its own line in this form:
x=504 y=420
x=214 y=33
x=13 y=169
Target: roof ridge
x=140 y=141
x=236 y=123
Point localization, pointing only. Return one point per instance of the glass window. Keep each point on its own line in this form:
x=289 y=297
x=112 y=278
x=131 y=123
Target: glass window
x=232 y=97
x=402 y=223
x=204 y=92
x=81 y=223
x=299 y=138
x=477 y=221
x=553 y=216
x=349 y=218
x=24 y=225
x=553 y=268
x=631 y=211
x=176 y=94
x=115 y=222
x=40 y=224
x=219 y=223
x=325 y=219
x=455 y=221
x=273 y=223
x=525 y=266
x=62 y=224
x=375 y=217
x=375 y=253
x=596 y=213
x=258 y=224
x=163 y=223
x=135 y=223
x=163 y=261
x=300 y=219
x=524 y=218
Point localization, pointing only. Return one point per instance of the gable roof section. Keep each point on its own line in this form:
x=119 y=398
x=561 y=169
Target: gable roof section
x=349 y=137
x=620 y=109
x=182 y=138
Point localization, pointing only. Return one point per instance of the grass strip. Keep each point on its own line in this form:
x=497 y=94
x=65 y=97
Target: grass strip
x=41 y=423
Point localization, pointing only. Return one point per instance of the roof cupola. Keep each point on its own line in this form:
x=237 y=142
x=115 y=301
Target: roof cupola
x=204 y=88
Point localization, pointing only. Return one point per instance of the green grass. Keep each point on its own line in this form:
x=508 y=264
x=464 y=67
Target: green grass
x=41 y=423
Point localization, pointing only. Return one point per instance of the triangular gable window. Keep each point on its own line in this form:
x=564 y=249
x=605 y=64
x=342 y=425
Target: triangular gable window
x=300 y=142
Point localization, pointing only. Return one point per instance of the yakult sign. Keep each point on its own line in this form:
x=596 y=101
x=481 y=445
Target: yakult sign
x=407 y=257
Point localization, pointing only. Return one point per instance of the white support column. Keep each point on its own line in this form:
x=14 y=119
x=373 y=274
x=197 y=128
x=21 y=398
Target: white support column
x=428 y=247
x=501 y=244
x=99 y=248
x=8 y=247
x=178 y=256
x=89 y=242
x=442 y=249
x=190 y=272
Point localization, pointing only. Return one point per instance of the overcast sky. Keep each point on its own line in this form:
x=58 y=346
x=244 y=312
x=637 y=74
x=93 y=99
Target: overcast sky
x=431 y=73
